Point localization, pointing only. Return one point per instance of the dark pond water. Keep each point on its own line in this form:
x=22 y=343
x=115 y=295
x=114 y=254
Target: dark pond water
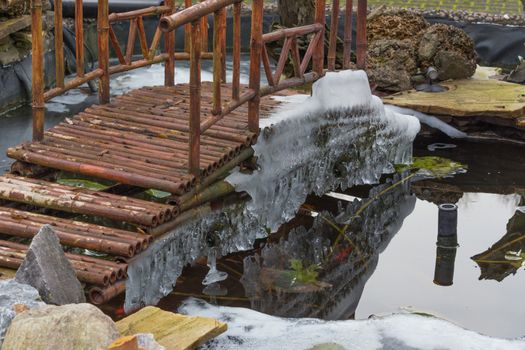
x=395 y=270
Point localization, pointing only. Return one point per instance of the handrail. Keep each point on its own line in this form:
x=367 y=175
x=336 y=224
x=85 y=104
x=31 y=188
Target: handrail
x=289 y=32
x=193 y=13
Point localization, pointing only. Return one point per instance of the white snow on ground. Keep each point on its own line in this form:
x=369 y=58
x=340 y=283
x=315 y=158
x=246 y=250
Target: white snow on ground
x=248 y=329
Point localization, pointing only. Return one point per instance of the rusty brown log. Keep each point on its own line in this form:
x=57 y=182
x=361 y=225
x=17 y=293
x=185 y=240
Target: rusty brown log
x=318 y=54
x=266 y=64
x=236 y=78
x=255 y=65
x=193 y=13
x=218 y=29
x=103 y=51
x=14 y=227
x=334 y=24
x=169 y=46
x=296 y=58
x=347 y=49
x=142 y=38
x=37 y=81
x=187 y=29
x=148 y=11
x=195 y=99
x=100 y=296
x=310 y=51
x=130 y=46
x=79 y=37
x=212 y=121
x=121 y=176
x=361 y=34
x=290 y=83
x=283 y=58
x=73 y=83
x=116 y=46
x=59 y=45
x=291 y=32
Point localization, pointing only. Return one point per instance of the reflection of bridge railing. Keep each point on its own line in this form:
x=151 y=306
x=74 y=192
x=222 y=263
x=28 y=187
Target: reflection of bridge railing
x=194 y=18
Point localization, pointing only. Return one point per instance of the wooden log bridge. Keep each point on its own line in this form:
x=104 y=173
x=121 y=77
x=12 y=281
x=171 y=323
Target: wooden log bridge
x=181 y=139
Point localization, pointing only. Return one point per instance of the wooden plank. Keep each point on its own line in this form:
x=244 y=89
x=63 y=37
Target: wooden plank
x=14 y=25
x=173 y=331
x=467 y=98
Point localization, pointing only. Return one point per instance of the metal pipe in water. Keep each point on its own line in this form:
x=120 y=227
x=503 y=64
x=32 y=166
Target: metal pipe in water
x=447 y=244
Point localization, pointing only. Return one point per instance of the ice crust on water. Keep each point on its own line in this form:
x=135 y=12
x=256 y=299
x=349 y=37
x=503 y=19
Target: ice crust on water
x=248 y=329
x=340 y=137
x=431 y=121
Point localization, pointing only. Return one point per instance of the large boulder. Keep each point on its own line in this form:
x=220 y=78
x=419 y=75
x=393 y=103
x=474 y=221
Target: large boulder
x=449 y=49
x=67 y=327
x=14 y=297
x=398 y=24
x=392 y=64
x=47 y=269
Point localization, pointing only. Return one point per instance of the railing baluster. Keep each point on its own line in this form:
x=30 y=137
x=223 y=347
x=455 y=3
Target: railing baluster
x=195 y=98
x=255 y=65
x=116 y=46
x=237 y=7
x=283 y=58
x=348 y=34
x=218 y=29
x=103 y=50
x=332 y=48
x=187 y=29
x=318 y=56
x=169 y=45
x=59 y=45
x=142 y=38
x=37 y=70
x=266 y=65
x=223 y=49
x=296 y=58
x=154 y=43
x=79 y=34
x=204 y=32
x=310 y=51
x=130 y=46
x=361 y=33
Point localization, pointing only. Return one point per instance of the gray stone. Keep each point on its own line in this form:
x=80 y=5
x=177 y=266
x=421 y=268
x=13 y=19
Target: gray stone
x=518 y=74
x=67 y=327
x=13 y=293
x=47 y=269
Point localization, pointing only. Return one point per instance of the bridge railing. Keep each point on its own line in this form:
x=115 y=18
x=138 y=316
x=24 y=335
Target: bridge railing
x=194 y=18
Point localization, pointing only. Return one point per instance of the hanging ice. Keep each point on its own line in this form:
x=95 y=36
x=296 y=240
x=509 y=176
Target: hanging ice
x=340 y=137
x=213 y=275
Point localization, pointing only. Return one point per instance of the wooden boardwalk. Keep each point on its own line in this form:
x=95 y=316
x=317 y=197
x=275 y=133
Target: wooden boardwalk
x=180 y=139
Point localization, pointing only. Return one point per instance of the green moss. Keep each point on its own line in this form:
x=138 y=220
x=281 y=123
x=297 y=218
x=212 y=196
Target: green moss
x=433 y=166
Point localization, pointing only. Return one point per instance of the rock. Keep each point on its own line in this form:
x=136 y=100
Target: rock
x=398 y=24
x=15 y=8
x=517 y=75
x=14 y=297
x=142 y=341
x=47 y=269
x=391 y=64
x=449 y=49
x=67 y=327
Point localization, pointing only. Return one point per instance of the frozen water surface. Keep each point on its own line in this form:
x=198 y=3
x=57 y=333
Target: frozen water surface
x=248 y=329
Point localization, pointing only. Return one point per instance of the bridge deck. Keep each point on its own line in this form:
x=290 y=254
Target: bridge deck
x=141 y=139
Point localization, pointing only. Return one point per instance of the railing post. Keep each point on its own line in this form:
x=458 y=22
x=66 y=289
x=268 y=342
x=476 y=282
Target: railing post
x=237 y=7
x=59 y=45
x=318 y=56
x=218 y=37
x=334 y=25
x=195 y=98
x=103 y=50
x=187 y=28
x=347 y=49
x=204 y=32
x=37 y=70
x=79 y=37
x=169 y=44
x=255 y=65
x=361 y=34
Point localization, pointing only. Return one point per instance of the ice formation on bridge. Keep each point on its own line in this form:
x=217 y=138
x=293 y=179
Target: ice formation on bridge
x=340 y=137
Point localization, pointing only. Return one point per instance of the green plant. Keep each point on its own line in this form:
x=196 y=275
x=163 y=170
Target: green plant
x=303 y=275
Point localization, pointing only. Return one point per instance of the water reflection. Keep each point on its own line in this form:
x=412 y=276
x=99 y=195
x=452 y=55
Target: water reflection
x=507 y=255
